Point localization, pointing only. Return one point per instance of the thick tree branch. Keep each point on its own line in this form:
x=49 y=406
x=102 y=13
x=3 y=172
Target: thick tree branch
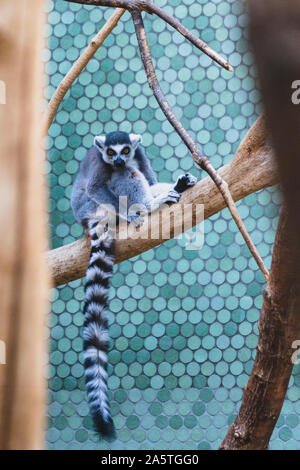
x=251 y=169
x=69 y=262
x=77 y=68
x=279 y=327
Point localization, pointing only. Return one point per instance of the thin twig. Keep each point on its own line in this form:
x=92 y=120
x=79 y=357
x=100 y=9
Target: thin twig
x=199 y=158
x=149 y=7
x=77 y=68
x=191 y=37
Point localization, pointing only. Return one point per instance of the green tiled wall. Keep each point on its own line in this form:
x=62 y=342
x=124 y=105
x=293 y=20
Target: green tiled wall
x=183 y=323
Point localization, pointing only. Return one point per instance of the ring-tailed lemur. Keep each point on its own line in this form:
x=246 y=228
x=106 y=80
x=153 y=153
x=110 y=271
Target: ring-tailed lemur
x=115 y=166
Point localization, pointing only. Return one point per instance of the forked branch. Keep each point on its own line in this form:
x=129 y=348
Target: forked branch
x=135 y=7
x=149 y=7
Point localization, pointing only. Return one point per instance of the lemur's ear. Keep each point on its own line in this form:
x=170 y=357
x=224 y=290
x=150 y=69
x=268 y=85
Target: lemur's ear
x=99 y=141
x=135 y=140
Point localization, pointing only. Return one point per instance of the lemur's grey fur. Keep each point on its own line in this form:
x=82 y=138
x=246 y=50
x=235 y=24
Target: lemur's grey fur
x=115 y=166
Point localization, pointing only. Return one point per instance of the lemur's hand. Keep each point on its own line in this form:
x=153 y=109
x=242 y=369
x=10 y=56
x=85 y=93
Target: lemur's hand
x=136 y=219
x=184 y=182
x=170 y=196
x=173 y=196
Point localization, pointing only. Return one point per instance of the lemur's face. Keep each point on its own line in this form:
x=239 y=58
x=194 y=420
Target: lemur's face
x=118 y=148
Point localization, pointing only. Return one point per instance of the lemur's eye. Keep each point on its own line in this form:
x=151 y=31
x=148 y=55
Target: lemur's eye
x=126 y=150
x=110 y=152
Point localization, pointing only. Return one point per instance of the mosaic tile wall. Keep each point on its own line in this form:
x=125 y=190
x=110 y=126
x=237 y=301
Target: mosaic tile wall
x=183 y=323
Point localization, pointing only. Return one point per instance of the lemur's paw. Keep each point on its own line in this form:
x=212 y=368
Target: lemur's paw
x=184 y=182
x=173 y=196
x=136 y=220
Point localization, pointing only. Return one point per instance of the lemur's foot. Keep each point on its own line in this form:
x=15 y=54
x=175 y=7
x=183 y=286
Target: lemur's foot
x=184 y=182
x=172 y=196
x=136 y=220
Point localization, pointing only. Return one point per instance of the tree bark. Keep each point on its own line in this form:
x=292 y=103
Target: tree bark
x=23 y=273
x=279 y=327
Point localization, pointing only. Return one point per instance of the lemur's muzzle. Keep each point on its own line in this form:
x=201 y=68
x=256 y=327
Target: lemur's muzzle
x=119 y=162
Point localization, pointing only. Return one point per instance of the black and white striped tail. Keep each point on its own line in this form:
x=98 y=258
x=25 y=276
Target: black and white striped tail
x=95 y=333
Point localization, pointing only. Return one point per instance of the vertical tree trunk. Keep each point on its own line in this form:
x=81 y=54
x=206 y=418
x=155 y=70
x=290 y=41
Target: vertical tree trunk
x=24 y=279
x=279 y=327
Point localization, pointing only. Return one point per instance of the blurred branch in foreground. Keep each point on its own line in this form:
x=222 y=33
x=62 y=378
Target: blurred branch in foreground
x=24 y=281
x=274 y=22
